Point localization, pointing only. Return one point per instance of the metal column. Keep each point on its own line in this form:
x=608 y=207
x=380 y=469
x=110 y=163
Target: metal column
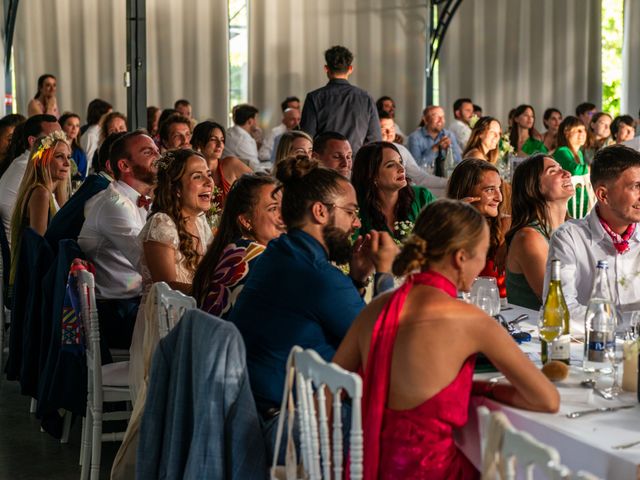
x=136 y=74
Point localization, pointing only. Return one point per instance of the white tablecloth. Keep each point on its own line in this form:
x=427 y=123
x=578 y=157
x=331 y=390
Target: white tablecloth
x=584 y=443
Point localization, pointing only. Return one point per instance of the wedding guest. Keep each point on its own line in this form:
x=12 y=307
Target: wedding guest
x=551 y=121
x=183 y=107
x=44 y=102
x=312 y=303
x=585 y=112
x=208 y=139
x=416 y=348
x=388 y=203
x=239 y=141
x=8 y=125
x=250 y=220
x=112 y=122
x=175 y=132
x=34 y=127
x=541 y=188
x=387 y=106
x=572 y=136
x=477 y=111
x=523 y=136
x=70 y=123
x=609 y=232
x=461 y=125
x=290 y=122
x=292 y=144
x=109 y=236
x=44 y=187
x=478 y=182
x=484 y=140
x=333 y=150
x=623 y=128
x=90 y=139
x=598 y=135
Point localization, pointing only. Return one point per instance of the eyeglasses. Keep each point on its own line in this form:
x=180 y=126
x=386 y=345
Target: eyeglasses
x=353 y=212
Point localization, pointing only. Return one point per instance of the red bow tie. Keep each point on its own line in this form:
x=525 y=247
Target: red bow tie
x=143 y=201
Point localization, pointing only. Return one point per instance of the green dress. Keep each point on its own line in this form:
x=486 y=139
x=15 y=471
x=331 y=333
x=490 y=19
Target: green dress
x=532 y=146
x=423 y=197
x=518 y=290
x=564 y=156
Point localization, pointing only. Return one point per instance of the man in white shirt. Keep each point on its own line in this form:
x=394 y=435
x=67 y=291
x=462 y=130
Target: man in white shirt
x=387 y=105
x=290 y=121
x=109 y=235
x=609 y=232
x=239 y=142
x=462 y=112
x=333 y=150
x=175 y=133
x=36 y=126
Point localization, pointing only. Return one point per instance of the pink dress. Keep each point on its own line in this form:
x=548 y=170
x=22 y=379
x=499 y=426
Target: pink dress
x=416 y=443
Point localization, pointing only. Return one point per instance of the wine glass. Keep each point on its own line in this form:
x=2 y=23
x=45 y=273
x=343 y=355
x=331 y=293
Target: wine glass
x=549 y=333
x=485 y=294
x=614 y=352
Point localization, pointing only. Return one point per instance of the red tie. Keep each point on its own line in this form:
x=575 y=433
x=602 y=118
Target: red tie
x=143 y=201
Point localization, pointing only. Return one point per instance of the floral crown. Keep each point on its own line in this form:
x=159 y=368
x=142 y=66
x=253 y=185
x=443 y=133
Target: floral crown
x=49 y=141
x=165 y=160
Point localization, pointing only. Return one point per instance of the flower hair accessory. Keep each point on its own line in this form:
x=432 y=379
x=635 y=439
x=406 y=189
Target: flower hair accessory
x=49 y=141
x=165 y=160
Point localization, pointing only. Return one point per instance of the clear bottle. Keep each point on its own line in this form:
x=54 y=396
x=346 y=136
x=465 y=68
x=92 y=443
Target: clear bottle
x=449 y=163
x=555 y=321
x=599 y=323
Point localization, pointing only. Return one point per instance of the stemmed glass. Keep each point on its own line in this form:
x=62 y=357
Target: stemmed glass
x=614 y=351
x=485 y=294
x=548 y=333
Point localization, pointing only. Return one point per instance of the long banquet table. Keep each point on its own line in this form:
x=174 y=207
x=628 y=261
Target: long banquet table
x=584 y=443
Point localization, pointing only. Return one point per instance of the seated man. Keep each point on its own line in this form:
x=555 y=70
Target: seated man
x=109 y=235
x=290 y=121
x=67 y=223
x=460 y=127
x=239 y=142
x=609 y=232
x=34 y=127
x=175 y=132
x=332 y=150
x=295 y=295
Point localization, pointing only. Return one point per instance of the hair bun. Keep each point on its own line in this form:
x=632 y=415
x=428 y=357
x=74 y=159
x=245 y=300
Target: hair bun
x=294 y=168
x=412 y=257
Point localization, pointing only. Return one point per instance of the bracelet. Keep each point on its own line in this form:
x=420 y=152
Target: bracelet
x=361 y=285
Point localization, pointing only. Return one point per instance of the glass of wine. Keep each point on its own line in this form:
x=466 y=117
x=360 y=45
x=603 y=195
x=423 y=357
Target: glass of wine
x=548 y=333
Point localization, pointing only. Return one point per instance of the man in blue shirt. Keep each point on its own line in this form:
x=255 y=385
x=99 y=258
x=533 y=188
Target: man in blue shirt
x=430 y=142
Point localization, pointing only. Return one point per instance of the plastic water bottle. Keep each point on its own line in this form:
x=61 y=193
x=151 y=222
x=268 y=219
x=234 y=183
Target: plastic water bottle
x=599 y=323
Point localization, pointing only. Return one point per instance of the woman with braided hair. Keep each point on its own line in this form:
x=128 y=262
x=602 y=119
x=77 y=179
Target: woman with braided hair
x=417 y=347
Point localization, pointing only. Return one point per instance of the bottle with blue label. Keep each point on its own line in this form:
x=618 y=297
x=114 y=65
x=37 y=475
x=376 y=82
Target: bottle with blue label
x=600 y=322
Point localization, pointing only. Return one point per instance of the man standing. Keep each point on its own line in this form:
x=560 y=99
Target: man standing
x=239 y=141
x=109 y=235
x=333 y=151
x=609 y=232
x=290 y=121
x=430 y=143
x=460 y=127
x=339 y=106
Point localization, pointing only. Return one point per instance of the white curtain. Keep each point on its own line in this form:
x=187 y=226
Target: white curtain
x=83 y=43
x=630 y=100
x=287 y=40
x=502 y=53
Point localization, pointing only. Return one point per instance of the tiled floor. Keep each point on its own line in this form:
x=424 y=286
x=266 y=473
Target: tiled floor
x=26 y=453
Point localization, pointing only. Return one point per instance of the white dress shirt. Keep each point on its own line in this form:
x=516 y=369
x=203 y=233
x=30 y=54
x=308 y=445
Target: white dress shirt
x=9 y=185
x=437 y=185
x=266 y=150
x=239 y=143
x=90 y=142
x=579 y=244
x=633 y=143
x=462 y=132
x=109 y=238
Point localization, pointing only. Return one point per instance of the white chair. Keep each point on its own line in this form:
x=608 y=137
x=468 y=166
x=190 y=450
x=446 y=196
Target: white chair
x=170 y=306
x=500 y=442
x=313 y=374
x=108 y=383
x=579 y=209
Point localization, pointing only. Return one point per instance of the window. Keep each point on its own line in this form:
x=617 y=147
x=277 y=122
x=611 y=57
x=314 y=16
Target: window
x=238 y=52
x=612 y=36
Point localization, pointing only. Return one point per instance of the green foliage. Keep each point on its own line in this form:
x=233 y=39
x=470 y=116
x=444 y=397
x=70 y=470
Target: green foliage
x=612 y=35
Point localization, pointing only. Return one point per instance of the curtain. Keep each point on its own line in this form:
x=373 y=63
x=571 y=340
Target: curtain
x=83 y=43
x=502 y=53
x=287 y=40
x=630 y=100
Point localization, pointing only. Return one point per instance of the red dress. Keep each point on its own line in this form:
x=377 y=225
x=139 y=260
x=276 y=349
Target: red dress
x=416 y=443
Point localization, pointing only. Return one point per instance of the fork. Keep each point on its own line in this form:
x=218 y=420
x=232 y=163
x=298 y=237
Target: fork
x=626 y=445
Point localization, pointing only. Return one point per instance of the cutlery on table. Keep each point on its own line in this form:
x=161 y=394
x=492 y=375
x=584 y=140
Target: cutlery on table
x=626 y=445
x=582 y=413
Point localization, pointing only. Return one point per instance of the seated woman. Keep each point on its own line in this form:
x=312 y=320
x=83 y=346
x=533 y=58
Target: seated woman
x=70 y=123
x=484 y=140
x=208 y=139
x=551 y=121
x=44 y=100
x=387 y=201
x=598 y=135
x=43 y=190
x=541 y=188
x=479 y=183
x=623 y=128
x=292 y=144
x=572 y=135
x=250 y=220
x=417 y=347
x=523 y=136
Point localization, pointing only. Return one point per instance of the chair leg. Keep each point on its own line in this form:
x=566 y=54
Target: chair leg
x=82 y=440
x=33 y=405
x=86 y=445
x=66 y=427
x=96 y=443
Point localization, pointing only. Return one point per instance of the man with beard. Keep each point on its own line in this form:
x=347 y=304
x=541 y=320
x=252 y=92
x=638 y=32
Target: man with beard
x=609 y=232
x=109 y=236
x=295 y=295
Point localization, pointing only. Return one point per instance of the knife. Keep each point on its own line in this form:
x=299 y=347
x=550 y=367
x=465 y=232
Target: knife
x=582 y=413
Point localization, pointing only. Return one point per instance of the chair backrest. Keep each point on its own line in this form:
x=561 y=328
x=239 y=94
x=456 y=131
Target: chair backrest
x=170 y=306
x=91 y=326
x=500 y=440
x=314 y=374
x=578 y=208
